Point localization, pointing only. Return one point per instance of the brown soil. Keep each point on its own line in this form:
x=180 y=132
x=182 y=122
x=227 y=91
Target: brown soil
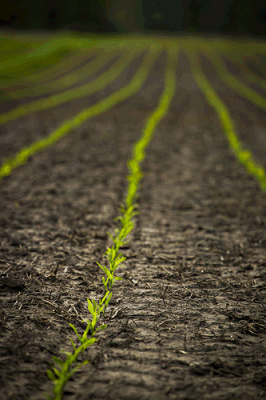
x=188 y=319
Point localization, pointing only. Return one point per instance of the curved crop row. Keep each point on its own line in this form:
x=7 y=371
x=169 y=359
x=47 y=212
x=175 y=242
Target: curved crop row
x=27 y=62
x=244 y=156
x=71 y=94
x=235 y=84
x=122 y=94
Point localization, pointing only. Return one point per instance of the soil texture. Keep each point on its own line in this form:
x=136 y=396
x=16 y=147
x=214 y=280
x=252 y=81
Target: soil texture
x=188 y=319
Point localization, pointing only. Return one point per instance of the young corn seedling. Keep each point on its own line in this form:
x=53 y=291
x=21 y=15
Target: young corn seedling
x=64 y=369
x=112 y=254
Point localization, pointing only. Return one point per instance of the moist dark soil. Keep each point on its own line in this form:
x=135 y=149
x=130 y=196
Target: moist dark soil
x=188 y=319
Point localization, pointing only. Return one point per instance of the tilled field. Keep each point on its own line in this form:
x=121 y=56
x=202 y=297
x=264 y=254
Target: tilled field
x=187 y=321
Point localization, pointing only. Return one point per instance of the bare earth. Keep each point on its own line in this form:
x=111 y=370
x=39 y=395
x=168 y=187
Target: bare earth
x=188 y=319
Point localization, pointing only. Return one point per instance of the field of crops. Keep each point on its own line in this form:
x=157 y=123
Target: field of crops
x=132 y=218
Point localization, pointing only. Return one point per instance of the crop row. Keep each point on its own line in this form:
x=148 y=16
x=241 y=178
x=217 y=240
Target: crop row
x=55 y=56
x=64 y=369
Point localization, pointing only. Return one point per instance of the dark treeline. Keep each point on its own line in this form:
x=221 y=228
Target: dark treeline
x=237 y=17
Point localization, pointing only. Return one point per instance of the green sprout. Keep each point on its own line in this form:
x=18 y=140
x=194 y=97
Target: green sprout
x=64 y=369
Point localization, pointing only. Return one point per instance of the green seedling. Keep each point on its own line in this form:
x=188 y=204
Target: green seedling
x=63 y=370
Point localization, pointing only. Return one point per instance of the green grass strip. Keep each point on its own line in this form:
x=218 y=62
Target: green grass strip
x=41 y=46
x=71 y=94
x=75 y=46
x=64 y=369
x=63 y=83
x=38 y=58
x=244 y=156
x=72 y=123
x=54 y=71
x=235 y=84
x=10 y=47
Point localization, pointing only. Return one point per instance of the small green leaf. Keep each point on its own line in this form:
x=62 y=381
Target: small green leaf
x=105 y=296
x=75 y=330
x=95 y=306
x=84 y=336
x=101 y=328
x=106 y=270
x=58 y=360
x=51 y=375
x=76 y=368
x=103 y=267
x=107 y=301
x=90 y=307
x=93 y=323
x=101 y=309
x=118 y=261
x=58 y=373
x=90 y=342
x=66 y=352
x=118 y=278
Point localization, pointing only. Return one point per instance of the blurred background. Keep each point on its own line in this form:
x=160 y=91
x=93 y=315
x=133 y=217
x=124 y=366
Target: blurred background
x=229 y=17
